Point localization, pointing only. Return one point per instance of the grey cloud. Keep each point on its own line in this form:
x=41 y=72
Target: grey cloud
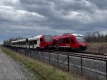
x=55 y=11
x=101 y=4
x=33 y=17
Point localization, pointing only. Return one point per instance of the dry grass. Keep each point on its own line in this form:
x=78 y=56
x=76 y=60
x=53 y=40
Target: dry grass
x=97 y=47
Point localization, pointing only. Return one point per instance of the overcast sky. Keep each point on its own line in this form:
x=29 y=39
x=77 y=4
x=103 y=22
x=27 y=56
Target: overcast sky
x=27 y=18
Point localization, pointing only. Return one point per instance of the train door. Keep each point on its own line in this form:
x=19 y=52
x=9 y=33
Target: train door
x=56 y=43
x=72 y=43
x=26 y=44
x=42 y=43
x=38 y=42
x=67 y=41
x=35 y=44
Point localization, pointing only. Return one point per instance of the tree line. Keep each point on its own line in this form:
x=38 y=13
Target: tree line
x=8 y=42
x=95 y=37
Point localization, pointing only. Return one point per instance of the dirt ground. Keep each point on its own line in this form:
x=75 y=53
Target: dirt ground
x=13 y=70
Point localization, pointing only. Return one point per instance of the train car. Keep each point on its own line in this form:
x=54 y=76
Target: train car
x=19 y=43
x=70 y=42
x=14 y=43
x=40 y=42
x=23 y=43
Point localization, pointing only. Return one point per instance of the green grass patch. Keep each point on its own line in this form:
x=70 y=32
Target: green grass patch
x=45 y=71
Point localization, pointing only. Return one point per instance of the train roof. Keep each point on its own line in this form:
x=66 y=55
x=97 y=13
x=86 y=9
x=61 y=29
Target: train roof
x=77 y=34
x=20 y=40
x=29 y=39
x=13 y=41
x=65 y=35
x=36 y=37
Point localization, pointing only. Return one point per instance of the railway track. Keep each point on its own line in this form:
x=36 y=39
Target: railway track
x=89 y=55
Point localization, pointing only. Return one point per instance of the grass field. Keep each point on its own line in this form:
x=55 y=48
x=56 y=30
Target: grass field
x=97 y=47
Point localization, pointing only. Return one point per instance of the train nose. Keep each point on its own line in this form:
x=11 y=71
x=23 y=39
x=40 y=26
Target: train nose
x=83 y=46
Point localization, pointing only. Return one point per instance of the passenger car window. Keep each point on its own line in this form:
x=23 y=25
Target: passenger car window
x=64 y=39
x=67 y=40
x=61 y=41
x=30 y=42
x=35 y=41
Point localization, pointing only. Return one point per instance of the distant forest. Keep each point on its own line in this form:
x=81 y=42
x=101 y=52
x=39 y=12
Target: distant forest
x=8 y=42
x=95 y=37
x=90 y=37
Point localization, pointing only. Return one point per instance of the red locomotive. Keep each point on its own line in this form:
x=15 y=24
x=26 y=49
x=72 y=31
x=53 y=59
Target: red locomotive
x=70 y=42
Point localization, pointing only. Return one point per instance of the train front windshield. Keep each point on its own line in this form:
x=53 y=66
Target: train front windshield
x=80 y=39
x=48 y=38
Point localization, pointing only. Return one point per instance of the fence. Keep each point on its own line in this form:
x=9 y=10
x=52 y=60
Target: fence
x=93 y=69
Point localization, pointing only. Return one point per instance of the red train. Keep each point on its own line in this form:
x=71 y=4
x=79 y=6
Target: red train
x=70 y=42
x=43 y=42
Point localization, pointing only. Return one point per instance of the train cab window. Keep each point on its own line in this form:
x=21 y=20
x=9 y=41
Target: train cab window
x=72 y=41
x=35 y=41
x=48 y=38
x=67 y=41
x=80 y=39
x=41 y=39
